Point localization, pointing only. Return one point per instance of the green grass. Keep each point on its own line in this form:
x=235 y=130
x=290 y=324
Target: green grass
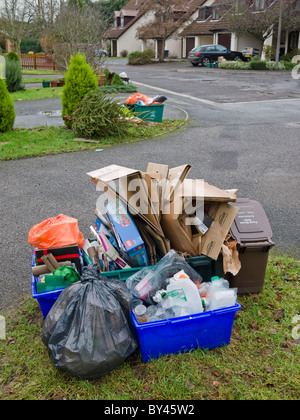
x=55 y=92
x=40 y=93
x=261 y=362
x=37 y=80
x=28 y=71
x=21 y=143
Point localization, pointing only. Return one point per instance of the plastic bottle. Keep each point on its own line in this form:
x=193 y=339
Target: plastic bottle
x=187 y=291
x=140 y=313
x=223 y=298
x=220 y=295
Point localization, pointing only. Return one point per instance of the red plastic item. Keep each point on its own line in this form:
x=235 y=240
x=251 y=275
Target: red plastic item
x=56 y=232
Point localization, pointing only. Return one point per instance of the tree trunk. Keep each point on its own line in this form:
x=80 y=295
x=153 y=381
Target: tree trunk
x=162 y=54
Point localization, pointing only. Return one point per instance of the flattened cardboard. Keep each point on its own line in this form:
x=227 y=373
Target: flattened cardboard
x=106 y=178
x=213 y=240
x=190 y=188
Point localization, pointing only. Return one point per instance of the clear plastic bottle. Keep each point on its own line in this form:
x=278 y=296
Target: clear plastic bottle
x=186 y=290
x=140 y=313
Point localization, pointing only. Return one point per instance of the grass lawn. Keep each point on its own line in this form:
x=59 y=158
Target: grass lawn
x=21 y=143
x=261 y=362
x=40 y=93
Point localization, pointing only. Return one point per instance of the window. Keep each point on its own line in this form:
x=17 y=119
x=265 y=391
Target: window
x=259 y=4
x=221 y=49
x=202 y=14
x=115 y=22
x=122 y=21
x=215 y=14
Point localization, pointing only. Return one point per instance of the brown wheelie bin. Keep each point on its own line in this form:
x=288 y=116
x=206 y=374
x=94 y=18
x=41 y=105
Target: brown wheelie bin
x=252 y=230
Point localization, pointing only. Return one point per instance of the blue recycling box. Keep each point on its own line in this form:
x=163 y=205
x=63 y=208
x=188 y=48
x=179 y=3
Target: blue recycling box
x=206 y=330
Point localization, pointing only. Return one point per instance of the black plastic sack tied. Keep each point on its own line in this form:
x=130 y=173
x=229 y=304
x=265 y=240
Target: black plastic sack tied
x=88 y=331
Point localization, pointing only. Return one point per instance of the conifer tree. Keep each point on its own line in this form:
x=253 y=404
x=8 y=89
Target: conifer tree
x=7 y=111
x=79 y=80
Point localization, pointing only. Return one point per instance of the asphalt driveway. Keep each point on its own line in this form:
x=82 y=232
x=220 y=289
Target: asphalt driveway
x=235 y=138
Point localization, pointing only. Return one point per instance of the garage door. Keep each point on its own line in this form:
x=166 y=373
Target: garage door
x=225 y=40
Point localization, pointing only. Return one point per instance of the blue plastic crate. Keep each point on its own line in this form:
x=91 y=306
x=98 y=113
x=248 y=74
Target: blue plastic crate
x=206 y=330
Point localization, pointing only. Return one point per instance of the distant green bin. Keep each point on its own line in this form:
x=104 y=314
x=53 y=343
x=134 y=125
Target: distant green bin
x=150 y=112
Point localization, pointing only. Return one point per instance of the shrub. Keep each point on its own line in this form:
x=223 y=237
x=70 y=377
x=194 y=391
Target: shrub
x=7 y=111
x=117 y=80
x=108 y=77
x=13 y=73
x=99 y=116
x=236 y=65
x=124 y=53
x=258 y=65
x=79 y=80
x=271 y=65
x=140 y=58
x=12 y=56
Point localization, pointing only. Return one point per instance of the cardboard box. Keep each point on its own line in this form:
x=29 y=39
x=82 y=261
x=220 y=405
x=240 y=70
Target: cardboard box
x=121 y=182
x=126 y=233
x=223 y=217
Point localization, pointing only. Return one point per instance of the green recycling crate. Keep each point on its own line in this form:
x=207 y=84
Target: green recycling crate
x=149 y=112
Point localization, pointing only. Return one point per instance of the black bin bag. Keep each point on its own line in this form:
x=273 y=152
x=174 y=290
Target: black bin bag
x=88 y=331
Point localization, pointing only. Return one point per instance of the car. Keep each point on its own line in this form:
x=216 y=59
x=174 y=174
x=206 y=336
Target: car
x=205 y=54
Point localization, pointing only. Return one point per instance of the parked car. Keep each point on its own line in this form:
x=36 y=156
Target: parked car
x=205 y=54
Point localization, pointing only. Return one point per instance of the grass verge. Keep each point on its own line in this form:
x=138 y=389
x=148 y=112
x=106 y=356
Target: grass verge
x=262 y=361
x=40 y=93
x=23 y=143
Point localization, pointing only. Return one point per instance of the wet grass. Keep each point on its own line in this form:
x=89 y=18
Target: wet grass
x=262 y=361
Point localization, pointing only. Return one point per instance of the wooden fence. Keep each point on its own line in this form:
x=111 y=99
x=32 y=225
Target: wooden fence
x=37 y=61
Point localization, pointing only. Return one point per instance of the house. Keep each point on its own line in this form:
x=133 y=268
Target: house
x=206 y=23
x=123 y=34
x=211 y=27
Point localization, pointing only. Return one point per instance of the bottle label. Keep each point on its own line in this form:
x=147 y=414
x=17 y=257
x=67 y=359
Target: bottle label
x=177 y=294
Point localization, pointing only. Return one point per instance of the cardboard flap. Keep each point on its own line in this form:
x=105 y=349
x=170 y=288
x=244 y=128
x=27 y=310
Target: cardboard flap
x=176 y=177
x=198 y=188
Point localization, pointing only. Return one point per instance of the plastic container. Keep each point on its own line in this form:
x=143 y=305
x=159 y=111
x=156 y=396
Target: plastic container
x=206 y=266
x=185 y=289
x=149 y=112
x=252 y=230
x=45 y=299
x=206 y=330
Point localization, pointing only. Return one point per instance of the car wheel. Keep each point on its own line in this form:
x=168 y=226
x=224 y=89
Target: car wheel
x=236 y=58
x=205 y=61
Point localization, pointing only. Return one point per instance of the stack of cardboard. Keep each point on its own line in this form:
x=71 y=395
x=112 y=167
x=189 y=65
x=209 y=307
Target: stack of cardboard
x=170 y=210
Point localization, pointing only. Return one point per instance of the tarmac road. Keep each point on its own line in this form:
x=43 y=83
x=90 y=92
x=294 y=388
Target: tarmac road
x=236 y=138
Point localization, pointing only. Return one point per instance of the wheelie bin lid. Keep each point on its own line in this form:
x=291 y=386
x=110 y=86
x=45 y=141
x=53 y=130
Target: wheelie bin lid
x=251 y=225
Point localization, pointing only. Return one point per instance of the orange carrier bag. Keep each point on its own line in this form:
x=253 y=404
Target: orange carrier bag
x=56 y=232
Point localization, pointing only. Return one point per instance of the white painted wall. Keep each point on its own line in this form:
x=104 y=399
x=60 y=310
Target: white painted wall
x=247 y=41
x=128 y=40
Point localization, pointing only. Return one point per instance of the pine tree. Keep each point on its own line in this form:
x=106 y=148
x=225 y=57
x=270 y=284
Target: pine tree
x=79 y=80
x=7 y=111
